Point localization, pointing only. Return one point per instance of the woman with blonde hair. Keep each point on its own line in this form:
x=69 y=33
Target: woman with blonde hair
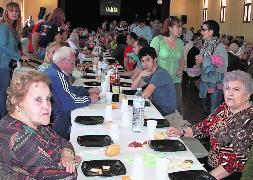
x=10 y=28
x=48 y=60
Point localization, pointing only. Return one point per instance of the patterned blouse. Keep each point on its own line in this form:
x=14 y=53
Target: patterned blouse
x=231 y=137
x=29 y=154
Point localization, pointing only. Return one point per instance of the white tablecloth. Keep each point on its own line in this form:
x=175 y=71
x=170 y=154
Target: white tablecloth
x=125 y=137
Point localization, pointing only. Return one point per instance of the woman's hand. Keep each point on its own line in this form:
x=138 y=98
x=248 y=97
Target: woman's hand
x=68 y=160
x=198 y=59
x=219 y=172
x=173 y=132
x=179 y=72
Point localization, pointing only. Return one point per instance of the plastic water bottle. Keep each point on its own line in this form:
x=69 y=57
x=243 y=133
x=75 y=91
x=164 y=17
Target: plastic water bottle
x=138 y=111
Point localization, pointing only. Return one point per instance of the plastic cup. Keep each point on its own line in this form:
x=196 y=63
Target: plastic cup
x=151 y=127
x=108 y=97
x=124 y=105
x=162 y=165
x=137 y=168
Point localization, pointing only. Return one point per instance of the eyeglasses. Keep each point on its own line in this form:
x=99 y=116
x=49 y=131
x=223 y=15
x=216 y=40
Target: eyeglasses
x=204 y=29
x=72 y=62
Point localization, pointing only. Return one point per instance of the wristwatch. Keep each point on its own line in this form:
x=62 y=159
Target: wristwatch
x=182 y=132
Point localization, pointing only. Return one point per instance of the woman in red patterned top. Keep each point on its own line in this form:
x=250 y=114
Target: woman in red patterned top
x=230 y=128
x=29 y=148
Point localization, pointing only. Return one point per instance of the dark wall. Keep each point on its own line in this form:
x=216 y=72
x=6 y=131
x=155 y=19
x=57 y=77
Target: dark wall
x=86 y=12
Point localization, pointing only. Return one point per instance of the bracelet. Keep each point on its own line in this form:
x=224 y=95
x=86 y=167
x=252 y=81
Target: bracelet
x=182 y=132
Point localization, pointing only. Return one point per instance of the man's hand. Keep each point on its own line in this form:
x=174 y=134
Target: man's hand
x=145 y=73
x=94 y=90
x=94 y=95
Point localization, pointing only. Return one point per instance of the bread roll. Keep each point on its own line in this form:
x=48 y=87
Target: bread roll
x=112 y=150
x=160 y=135
x=125 y=178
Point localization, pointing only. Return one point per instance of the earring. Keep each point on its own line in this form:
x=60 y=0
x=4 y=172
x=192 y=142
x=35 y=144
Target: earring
x=19 y=109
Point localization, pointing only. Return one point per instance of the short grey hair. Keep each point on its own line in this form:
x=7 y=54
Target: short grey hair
x=243 y=77
x=63 y=52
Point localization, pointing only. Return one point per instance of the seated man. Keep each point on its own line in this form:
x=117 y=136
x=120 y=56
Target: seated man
x=160 y=88
x=65 y=96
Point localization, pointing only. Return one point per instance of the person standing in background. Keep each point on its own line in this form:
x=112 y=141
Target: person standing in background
x=213 y=59
x=10 y=29
x=29 y=22
x=143 y=31
x=50 y=28
x=169 y=49
x=35 y=36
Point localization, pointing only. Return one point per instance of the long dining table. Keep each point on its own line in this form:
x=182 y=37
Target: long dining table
x=125 y=137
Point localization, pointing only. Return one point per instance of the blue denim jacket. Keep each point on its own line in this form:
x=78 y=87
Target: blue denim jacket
x=212 y=75
x=8 y=46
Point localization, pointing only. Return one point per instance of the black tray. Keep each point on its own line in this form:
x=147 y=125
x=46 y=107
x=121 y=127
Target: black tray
x=191 y=174
x=111 y=60
x=120 y=68
x=125 y=77
x=161 y=123
x=89 y=77
x=130 y=103
x=89 y=120
x=129 y=92
x=116 y=168
x=89 y=71
x=92 y=83
x=125 y=84
x=167 y=145
x=94 y=140
x=87 y=62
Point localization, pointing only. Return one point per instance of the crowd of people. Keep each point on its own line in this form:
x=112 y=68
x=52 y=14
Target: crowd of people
x=35 y=104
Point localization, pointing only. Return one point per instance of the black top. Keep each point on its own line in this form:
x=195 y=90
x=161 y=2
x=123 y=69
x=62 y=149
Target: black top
x=234 y=63
x=191 y=56
x=48 y=31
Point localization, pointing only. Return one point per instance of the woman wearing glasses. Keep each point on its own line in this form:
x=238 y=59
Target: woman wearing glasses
x=213 y=60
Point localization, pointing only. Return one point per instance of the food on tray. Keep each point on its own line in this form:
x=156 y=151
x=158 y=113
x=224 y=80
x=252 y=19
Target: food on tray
x=125 y=178
x=160 y=135
x=96 y=170
x=136 y=144
x=106 y=168
x=185 y=164
x=112 y=150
